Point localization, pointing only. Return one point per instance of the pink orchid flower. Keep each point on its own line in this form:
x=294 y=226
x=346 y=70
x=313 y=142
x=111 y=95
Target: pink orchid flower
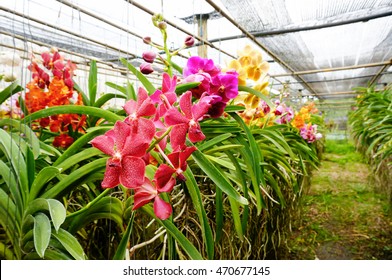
x=201 y=70
x=136 y=110
x=150 y=190
x=125 y=166
x=186 y=122
x=166 y=97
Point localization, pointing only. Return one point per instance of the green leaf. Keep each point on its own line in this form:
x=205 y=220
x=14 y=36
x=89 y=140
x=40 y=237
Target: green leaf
x=241 y=176
x=45 y=175
x=42 y=230
x=122 y=247
x=214 y=141
x=80 y=143
x=92 y=81
x=70 y=243
x=218 y=214
x=146 y=83
x=30 y=164
x=254 y=160
x=181 y=88
x=186 y=245
x=10 y=180
x=199 y=207
x=17 y=161
x=85 y=98
x=235 y=211
x=130 y=91
x=6 y=253
x=234 y=108
x=73 y=109
x=117 y=87
x=75 y=159
x=217 y=177
x=28 y=133
x=106 y=97
x=57 y=212
x=68 y=182
x=9 y=90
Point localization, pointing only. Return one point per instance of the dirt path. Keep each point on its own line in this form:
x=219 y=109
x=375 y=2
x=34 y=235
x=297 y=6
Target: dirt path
x=342 y=217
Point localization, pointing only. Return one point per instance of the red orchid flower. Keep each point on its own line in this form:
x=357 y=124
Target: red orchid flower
x=150 y=190
x=126 y=149
x=177 y=163
x=186 y=122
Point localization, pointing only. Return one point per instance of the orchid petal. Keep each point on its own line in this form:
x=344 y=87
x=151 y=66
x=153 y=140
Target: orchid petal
x=132 y=172
x=112 y=173
x=163 y=178
x=173 y=117
x=195 y=134
x=178 y=136
x=186 y=104
x=121 y=132
x=104 y=143
x=162 y=209
x=144 y=194
x=130 y=107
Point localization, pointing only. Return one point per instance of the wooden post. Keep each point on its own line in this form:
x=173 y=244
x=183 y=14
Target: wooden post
x=202 y=28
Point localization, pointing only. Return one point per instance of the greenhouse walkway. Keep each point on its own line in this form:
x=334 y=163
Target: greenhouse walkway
x=343 y=217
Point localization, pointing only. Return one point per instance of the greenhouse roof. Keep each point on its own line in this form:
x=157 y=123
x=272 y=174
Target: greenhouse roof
x=317 y=48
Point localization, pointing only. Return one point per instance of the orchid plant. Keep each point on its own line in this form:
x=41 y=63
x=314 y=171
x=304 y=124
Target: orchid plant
x=204 y=133
x=163 y=122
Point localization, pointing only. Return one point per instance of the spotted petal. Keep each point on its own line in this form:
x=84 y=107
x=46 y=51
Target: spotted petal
x=105 y=143
x=178 y=136
x=132 y=172
x=112 y=174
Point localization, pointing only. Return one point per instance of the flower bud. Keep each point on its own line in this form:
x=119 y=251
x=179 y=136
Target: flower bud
x=146 y=68
x=189 y=41
x=147 y=40
x=162 y=25
x=9 y=77
x=149 y=56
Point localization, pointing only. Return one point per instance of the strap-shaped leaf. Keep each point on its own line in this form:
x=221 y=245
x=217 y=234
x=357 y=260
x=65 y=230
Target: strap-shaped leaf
x=188 y=247
x=70 y=243
x=92 y=81
x=28 y=133
x=217 y=177
x=42 y=230
x=45 y=175
x=14 y=155
x=122 y=247
x=199 y=207
x=68 y=182
x=10 y=90
x=73 y=109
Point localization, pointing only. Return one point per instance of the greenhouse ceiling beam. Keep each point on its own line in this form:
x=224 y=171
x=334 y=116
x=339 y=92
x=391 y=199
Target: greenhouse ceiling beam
x=78 y=8
x=148 y=11
x=57 y=28
x=306 y=28
x=253 y=38
x=342 y=79
x=337 y=93
x=113 y=67
x=374 y=64
x=379 y=74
